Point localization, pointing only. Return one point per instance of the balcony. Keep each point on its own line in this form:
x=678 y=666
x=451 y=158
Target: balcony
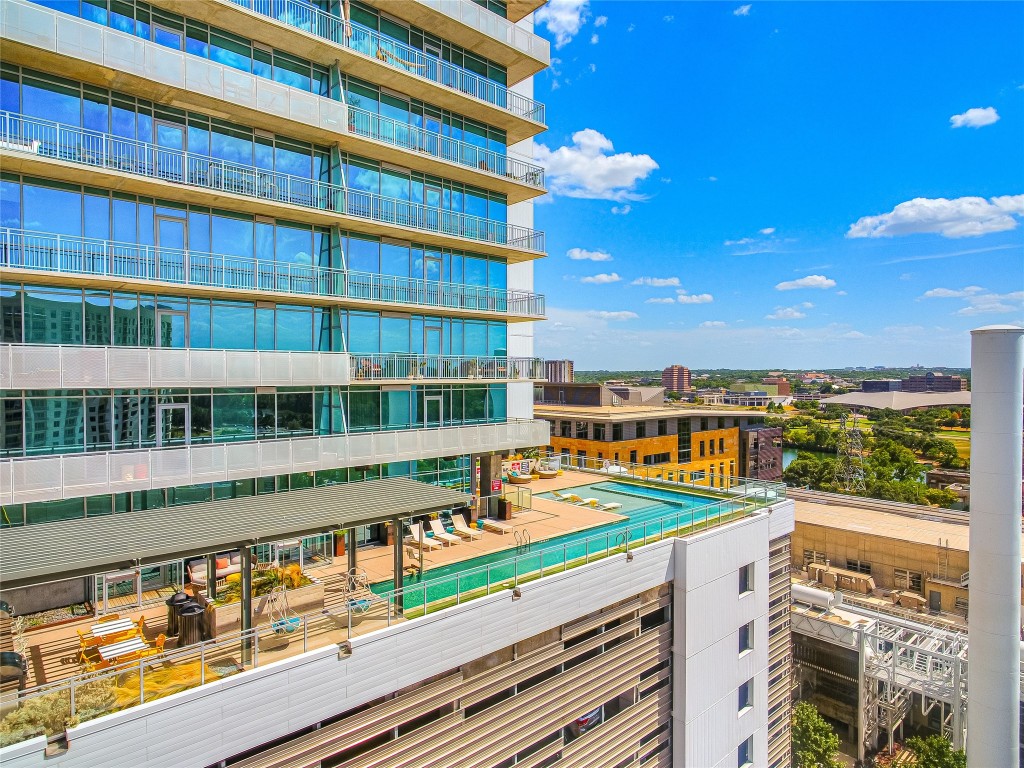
x=29 y=144
x=46 y=478
x=521 y=180
x=58 y=366
x=411 y=62
x=70 y=259
x=36 y=36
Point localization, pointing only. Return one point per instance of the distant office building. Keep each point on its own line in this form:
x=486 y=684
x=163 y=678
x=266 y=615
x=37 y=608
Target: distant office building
x=676 y=378
x=559 y=371
x=781 y=383
x=934 y=382
x=761 y=452
x=881 y=385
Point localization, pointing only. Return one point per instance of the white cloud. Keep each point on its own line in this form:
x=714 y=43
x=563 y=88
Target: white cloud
x=743 y=10
x=622 y=210
x=580 y=254
x=657 y=282
x=786 y=313
x=977 y=117
x=907 y=276
x=600 y=21
x=602 y=279
x=631 y=27
x=811 y=281
x=993 y=303
x=665 y=300
x=563 y=18
x=853 y=335
x=840 y=293
x=592 y=67
x=713 y=324
x=767 y=231
x=613 y=316
x=589 y=169
x=948 y=293
x=594 y=39
x=741 y=241
x=712 y=178
x=959 y=217
x=668 y=19
x=694 y=298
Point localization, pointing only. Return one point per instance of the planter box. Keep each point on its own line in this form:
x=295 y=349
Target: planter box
x=224 y=619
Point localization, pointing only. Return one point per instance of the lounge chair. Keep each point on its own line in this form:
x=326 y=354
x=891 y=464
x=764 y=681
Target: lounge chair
x=518 y=479
x=610 y=507
x=495 y=527
x=419 y=538
x=579 y=501
x=440 y=534
x=462 y=529
x=560 y=496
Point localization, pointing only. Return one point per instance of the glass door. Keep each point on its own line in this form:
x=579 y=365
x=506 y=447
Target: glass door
x=169 y=153
x=432 y=276
x=172 y=329
x=172 y=424
x=171 y=243
x=432 y=351
x=432 y=412
x=432 y=212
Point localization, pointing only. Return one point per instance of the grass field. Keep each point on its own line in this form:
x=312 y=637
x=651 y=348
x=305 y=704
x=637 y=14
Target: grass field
x=960 y=437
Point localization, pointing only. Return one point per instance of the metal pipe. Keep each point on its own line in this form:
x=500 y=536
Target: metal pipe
x=246 y=585
x=396 y=523
x=997 y=384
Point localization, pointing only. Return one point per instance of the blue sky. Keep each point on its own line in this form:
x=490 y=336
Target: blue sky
x=780 y=184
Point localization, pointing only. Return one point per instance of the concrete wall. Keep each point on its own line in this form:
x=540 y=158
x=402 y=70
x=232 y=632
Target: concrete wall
x=45 y=596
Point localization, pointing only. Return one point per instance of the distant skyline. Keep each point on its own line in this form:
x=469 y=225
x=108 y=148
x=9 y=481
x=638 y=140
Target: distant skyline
x=780 y=184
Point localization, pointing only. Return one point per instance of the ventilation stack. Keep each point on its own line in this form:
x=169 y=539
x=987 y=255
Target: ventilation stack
x=997 y=392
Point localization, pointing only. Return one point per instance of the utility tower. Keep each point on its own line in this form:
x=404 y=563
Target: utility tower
x=850 y=452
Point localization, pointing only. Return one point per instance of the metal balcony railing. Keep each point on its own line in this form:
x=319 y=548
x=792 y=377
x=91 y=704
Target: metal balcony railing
x=393 y=53
x=493 y=25
x=412 y=366
x=414 y=139
x=65 y=254
x=86 y=147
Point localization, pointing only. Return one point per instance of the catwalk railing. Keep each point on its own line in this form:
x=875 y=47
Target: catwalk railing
x=81 y=146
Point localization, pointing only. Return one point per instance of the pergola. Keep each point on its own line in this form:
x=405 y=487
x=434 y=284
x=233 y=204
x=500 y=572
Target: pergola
x=37 y=554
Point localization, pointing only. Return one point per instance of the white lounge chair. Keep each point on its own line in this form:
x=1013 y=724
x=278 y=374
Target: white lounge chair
x=495 y=527
x=610 y=507
x=462 y=529
x=440 y=534
x=420 y=539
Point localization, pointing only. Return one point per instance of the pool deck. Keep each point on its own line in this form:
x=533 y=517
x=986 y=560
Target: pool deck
x=52 y=650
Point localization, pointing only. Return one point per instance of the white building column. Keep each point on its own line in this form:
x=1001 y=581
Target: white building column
x=997 y=368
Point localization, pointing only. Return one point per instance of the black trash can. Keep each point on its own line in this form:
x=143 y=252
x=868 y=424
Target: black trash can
x=173 y=603
x=191 y=624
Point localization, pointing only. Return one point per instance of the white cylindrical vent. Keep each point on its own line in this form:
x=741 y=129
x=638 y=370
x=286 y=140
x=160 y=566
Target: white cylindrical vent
x=997 y=393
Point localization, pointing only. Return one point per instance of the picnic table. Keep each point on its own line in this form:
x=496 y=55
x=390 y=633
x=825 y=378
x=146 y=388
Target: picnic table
x=113 y=651
x=104 y=628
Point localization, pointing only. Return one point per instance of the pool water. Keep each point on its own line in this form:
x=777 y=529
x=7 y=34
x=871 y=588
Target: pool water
x=643 y=507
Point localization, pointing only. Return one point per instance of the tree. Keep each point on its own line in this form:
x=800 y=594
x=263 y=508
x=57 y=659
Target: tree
x=815 y=744
x=935 y=752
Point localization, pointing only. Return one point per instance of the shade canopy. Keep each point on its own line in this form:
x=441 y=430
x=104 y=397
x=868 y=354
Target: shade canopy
x=36 y=554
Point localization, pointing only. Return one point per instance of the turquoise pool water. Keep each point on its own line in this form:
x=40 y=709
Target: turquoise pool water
x=647 y=511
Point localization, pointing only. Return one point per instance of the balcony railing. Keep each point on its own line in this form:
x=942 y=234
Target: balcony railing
x=412 y=366
x=71 y=144
x=67 y=366
x=393 y=53
x=414 y=139
x=70 y=475
x=490 y=23
x=65 y=254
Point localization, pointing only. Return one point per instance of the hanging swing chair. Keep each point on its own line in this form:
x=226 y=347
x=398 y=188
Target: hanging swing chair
x=283 y=620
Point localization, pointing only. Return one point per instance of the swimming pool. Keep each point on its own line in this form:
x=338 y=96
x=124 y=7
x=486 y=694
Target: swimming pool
x=646 y=511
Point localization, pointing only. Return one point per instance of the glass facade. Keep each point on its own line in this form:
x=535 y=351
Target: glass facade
x=32 y=314
x=49 y=422
x=173 y=31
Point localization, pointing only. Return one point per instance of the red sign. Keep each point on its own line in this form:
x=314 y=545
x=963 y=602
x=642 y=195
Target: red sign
x=496 y=486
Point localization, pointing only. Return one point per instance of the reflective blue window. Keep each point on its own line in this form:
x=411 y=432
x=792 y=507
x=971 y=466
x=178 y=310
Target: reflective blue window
x=52 y=210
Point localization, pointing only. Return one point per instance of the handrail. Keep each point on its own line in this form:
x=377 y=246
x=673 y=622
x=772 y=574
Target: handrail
x=396 y=365
x=416 y=139
x=25 y=249
x=409 y=602
x=484 y=20
x=393 y=53
x=21 y=133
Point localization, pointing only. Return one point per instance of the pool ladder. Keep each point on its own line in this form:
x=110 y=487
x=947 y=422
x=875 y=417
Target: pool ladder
x=523 y=541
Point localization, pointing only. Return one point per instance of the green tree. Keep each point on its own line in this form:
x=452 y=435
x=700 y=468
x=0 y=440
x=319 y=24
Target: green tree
x=815 y=744
x=936 y=752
